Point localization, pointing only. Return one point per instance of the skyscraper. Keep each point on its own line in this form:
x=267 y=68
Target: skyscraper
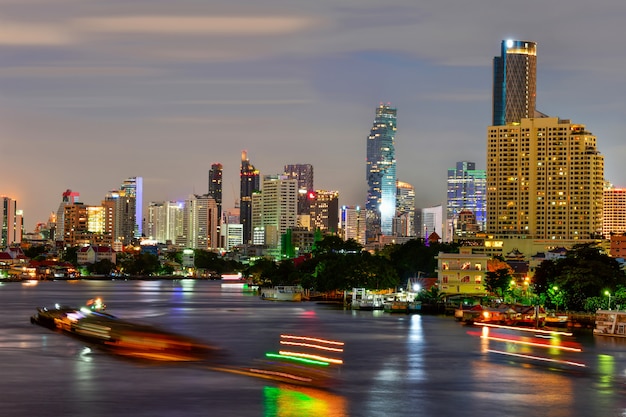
x=10 y=222
x=614 y=211
x=275 y=208
x=381 y=173
x=133 y=187
x=467 y=190
x=215 y=187
x=352 y=224
x=324 y=210
x=545 y=178
x=514 y=82
x=249 y=183
x=304 y=174
x=405 y=209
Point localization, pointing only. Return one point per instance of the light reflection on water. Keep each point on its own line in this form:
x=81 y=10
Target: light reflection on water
x=395 y=365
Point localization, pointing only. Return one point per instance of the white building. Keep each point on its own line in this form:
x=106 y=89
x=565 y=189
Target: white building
x=352 y=223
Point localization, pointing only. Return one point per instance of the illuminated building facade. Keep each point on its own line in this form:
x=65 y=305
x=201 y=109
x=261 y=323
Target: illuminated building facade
x=514 y=82
x=381 y=173
x=215 y=186
x=545 y=179
x=133 y=188
x=166 y=222
x=68 y=197
x=352 y=224
x=275 y=208
x=11 y=218
x=249 y=184
x=467 y=191
x=303 y=173
x=405 y=210
x=613 y=211
x=433 y=222
x=201 y=222
x=324 y=210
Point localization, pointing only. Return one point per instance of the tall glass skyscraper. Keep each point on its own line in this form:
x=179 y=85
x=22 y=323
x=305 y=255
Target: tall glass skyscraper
x=514 y=82
x=381 y=173
x=467 y=190
x=250 y=183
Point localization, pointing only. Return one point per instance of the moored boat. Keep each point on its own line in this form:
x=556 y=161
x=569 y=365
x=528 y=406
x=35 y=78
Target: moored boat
x=610 y=323
x=282 y=293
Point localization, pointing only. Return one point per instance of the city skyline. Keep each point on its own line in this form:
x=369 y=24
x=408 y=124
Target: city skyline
x=92 y=93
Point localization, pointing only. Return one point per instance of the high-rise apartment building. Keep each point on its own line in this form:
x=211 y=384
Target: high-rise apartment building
x=201 y=222
x=120 y=215
x=275 y=208
x=405 y=210
x=544 y=180
x=133 y=187
x=381 y=173
x=215 y=186
x=249 y=184
x=11 y=222
x=303 y=173
x=514 y=82
x=467 y=191
x=68 y=197
x=166 y=222
x=324 y=210
x=613 y=211
x=352 y=224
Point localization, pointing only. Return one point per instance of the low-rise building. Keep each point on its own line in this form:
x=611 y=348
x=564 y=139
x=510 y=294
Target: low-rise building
x=462 y=273
x=92 y=254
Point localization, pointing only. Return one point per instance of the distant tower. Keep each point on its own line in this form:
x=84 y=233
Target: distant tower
x=10 y=222
x=274 y=209
x=215 y=186
x=381 y=173
x=324 y=210
x=133 y=188
x=467 y=190
x=304 y=174
x=68 y=197
x=250 y=183
x=514 y=82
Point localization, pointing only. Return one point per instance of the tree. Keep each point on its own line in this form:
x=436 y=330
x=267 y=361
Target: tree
x=499 y=281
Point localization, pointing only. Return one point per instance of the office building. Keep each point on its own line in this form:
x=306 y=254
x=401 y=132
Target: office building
x=133 y=188
x=215 y=186
x=381 y=173
x=613 y=211
x=201 y=222
x=433 y=222
x=249 y=184
x=514 y=82
x=352 y=224
x=467 y=192
x=545 y=179
x=11 y=218
x=166 y=222
x=303 y=173
x=324 y=211
x=404 y=222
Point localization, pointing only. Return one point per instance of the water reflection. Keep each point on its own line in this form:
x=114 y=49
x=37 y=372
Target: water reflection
x=288 y=401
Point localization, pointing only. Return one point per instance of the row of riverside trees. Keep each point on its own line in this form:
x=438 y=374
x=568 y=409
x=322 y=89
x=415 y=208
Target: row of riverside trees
x=584 y=280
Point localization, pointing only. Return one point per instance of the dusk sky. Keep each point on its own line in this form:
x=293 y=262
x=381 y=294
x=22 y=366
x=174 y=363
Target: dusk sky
x=95 y=91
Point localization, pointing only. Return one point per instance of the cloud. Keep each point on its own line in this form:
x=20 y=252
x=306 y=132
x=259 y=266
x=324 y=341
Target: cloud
x=191 y=25
x=29 y=34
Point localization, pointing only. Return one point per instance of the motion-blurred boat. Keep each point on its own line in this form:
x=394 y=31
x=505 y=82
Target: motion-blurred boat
x=94 y=326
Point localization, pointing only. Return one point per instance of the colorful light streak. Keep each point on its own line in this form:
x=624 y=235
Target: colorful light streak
x=299 y=357
x=311 y=339
x=279 y=374
x=309 y=345
x=512 y=339
x=539 y=358
x=524 y=329
x=312 y=357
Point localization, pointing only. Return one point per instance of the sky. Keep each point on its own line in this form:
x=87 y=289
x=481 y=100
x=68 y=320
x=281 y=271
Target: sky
x=93 y=92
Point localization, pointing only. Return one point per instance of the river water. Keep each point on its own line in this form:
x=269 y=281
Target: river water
x=394 y=365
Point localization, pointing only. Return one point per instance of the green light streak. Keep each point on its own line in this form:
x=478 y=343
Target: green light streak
x=296 y=359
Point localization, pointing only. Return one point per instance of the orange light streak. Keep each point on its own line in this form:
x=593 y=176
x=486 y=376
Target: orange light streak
x=521 y=342
x=539 y=358
x=280 y=374
x=523 y=329
x=309 y=345
x=309 y=356
x=311 y=339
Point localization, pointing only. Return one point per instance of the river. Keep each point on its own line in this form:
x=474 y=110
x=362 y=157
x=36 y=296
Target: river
x=394 y=365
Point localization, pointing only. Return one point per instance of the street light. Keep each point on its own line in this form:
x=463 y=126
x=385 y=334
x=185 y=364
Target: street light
x=556 y=298
x=609 y=294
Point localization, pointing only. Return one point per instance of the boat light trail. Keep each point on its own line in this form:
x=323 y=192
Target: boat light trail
x=539 y=358
x=279 y=374
x=309 y=345
x=311 y=339
x=538 y=344
x=311 y=357
x=299 y=357
x=524 y=329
